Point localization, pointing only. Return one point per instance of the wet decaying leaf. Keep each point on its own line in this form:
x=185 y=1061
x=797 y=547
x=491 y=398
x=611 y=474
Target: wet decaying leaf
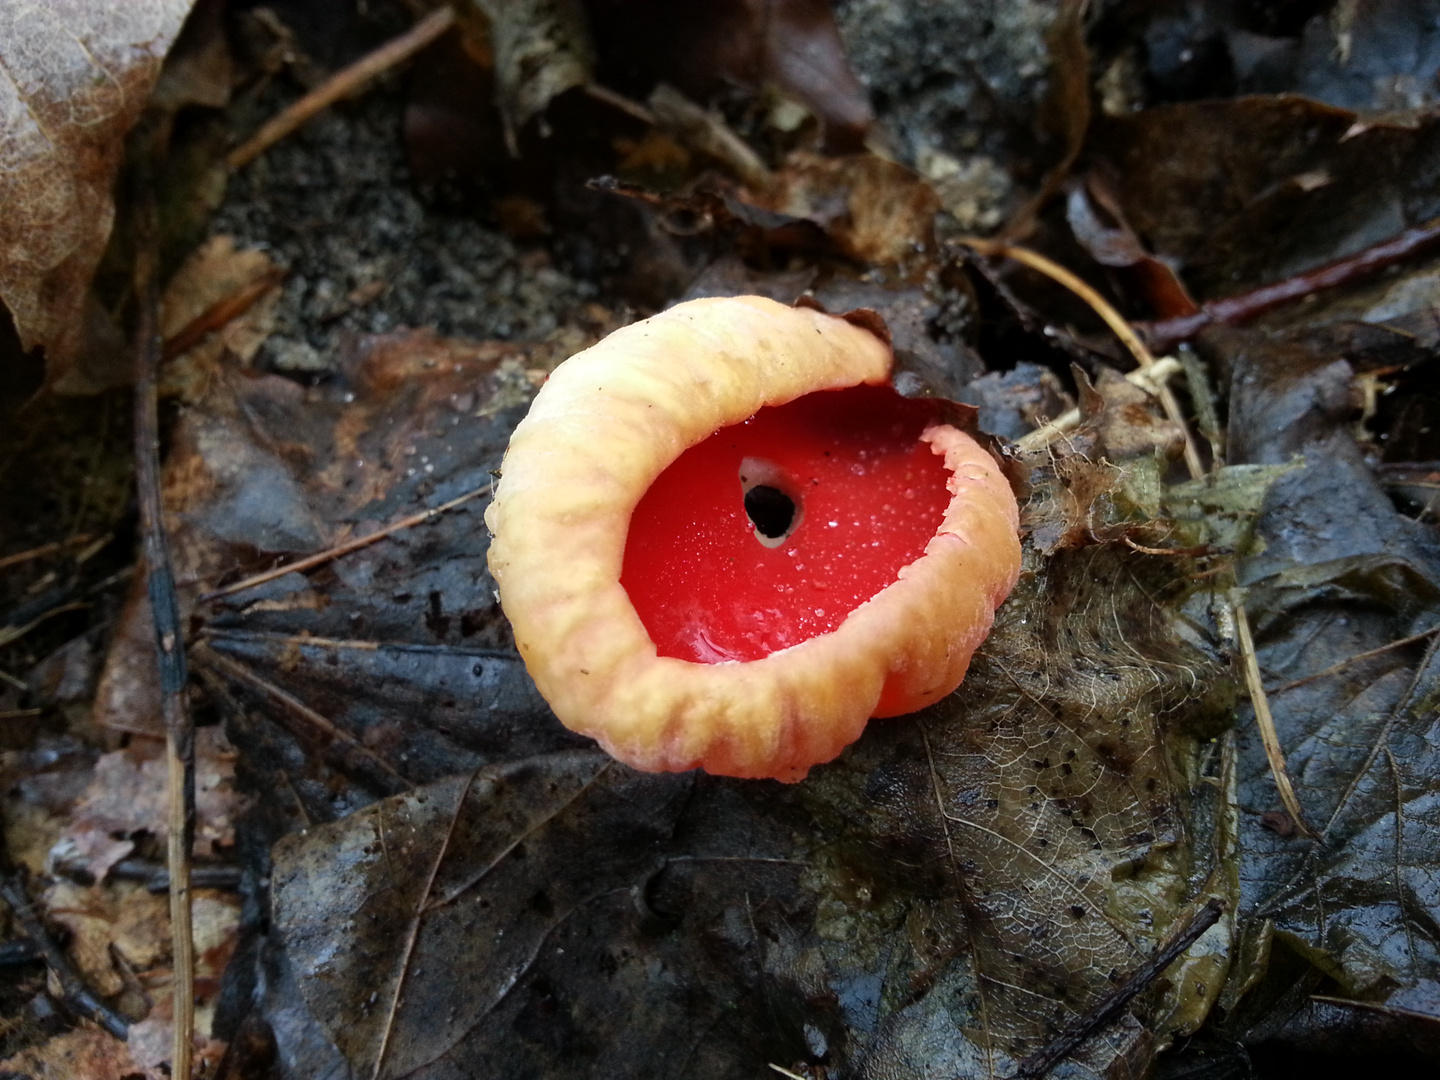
x=435 y=879
x=1342 y=574
x=488 y=858
x=261 y=469
x=1049 y=825
x=1376 y=57
x=967 y=882
x=75 y=78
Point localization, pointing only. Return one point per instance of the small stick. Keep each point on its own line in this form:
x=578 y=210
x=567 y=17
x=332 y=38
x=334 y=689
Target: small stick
x=1341 y=665
x=77 y=995
x=629 y=107
x=18 y=951
x=1377 y=1007
x=1042 y=1061
x=220 y=314
x=329 y=554
x=169 y=638
x=707 y=132
x=392 y=780
x=44 y=549
x=1274 y=753
x=342 y=84
x=10 y=632
x=696 y=127
x=1167 y=333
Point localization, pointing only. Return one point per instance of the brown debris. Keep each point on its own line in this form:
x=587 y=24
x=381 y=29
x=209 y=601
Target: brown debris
x=76 y=76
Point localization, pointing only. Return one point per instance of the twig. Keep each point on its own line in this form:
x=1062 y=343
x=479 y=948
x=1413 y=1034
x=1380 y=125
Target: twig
x=9 y=632
x=169 y=637
x=290 y=642
x=77 y=996
x=707 y=132
x=694 y=126
x=1042 y=1061
x=1167 y=333
x=1341 y=665
x=1274 y=753
x=1377 y=1007
x=220 y=314
x=329 y=554
x=45 y=549
x=387 y=778
x=18 y=951
x=342 y=84
x=157 y=879
x=628 y=106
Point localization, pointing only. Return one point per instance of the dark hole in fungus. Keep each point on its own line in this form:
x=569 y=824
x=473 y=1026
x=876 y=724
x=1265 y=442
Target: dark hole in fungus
x=856 y=495
x=770 y=510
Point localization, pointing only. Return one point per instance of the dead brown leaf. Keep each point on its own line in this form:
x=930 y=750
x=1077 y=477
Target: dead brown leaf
x=127 y=797
x=74 y=77
x=86 y=1051
x=215 y=921
x=123 y=915
x=542 y=48
x=876 y=211
x=215 y=272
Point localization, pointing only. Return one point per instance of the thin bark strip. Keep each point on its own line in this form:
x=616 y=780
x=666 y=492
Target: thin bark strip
x=309 y=562
x=1167 y=333
x=1274 y=752
x=342 y=84
x=169 y=640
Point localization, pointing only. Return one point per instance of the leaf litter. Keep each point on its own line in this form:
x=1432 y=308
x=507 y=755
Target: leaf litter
x=439 y=880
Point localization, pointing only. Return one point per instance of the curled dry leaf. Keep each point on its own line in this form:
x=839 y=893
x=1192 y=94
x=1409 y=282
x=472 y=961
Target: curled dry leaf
x=74 y=76
x=1337 y=595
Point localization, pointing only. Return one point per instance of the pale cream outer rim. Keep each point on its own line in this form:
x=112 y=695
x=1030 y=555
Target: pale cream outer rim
x=607 y=422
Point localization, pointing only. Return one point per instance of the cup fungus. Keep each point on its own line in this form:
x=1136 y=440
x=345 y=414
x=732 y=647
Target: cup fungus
x=724 y=541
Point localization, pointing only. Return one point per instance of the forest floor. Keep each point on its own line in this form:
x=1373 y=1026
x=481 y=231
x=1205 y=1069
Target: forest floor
x=1181 y=259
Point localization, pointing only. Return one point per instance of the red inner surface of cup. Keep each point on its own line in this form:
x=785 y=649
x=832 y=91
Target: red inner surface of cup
x=869 y=495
